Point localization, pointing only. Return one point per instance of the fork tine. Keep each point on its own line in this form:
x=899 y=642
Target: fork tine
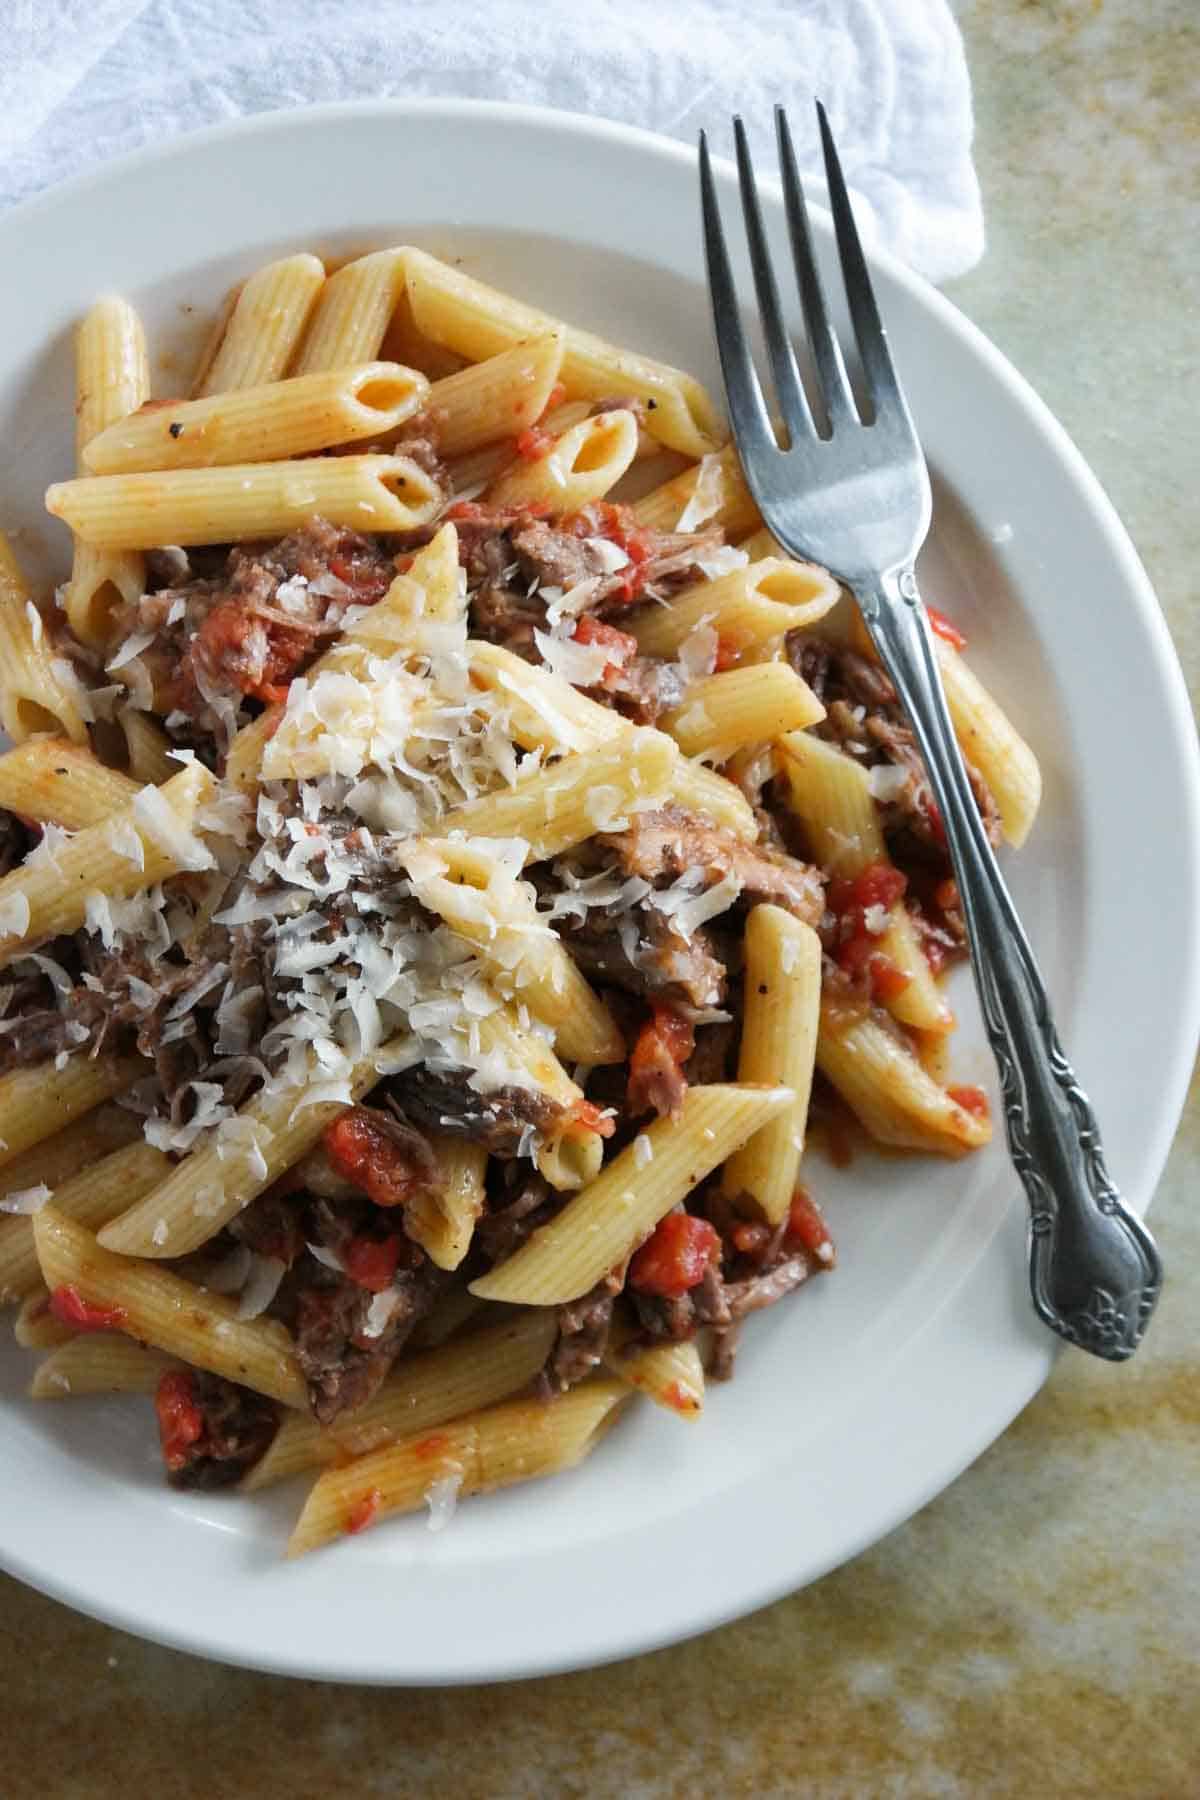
x=751 y=421
x=882 y=382
x=839 y=402
x=793 y=403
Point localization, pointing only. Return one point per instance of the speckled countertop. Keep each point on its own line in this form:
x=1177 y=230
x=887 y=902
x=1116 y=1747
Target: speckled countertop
x=1036 y=1630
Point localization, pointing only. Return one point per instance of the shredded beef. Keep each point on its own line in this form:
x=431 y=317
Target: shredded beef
x=864 y=715
x=663 y=844
x=644 y=954
x=238 y=1428
x=710 y=1061
x=515 y=1215
x=16 y=841
x=757 y=1291
x=583 y=1328
x=498 y=1120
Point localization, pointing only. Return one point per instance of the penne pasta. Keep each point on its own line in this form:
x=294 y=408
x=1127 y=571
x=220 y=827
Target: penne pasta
x=212 y=1185
x=423 y=1391
x=155 y=837
x=712 y=493
x=728 y=712
x=57 y=782
x=147 y=748
x=605 y=1223
x=99 y=1363
x=886 y=1087
x=496 y=399
x=672 y=1375
x=466 y=885
x=266 y=322
x=443 y=1221
x=91 y=1197
x=991 y=742
x=582 y=465
x=454 y=309
x=247 y=500
x=557 y=807
x=36 y=1326
x=515 y=1442
x=41 y=1100
x=779 y=1037
x=39 y=689
x=261 y=424
x=77 y=1146
x=353 y=313
x=746 y=608
x=112 y=380
x=159 y=1308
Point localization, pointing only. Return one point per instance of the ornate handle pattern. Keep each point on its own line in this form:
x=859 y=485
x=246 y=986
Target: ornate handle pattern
x=1094 y=1269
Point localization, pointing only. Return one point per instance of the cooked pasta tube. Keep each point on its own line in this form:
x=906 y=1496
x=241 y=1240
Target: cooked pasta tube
x=442 y=1220
x=456 y=1308
x=471 y=473
x=40 y=1100
x=159 y=1308
x=352 y=315
x=91 y=1198
x=713 y=492
x=39 y=691
x=78 y=1146
x=267 y=321
x=112 y=380
x=421 y=1391
x=518 y=1441
x=746 y=607
x=261 y=424
x=245 y=500
x=452 y=308
x=99 y=1363
x=672 y=1375
x=885 y=1086
x=465 y=884
x=991 y=741
x=212 y=1184
x=727 y=712
x=557 y=807
x=498 y=398
x=569 y=1155
x=152 y=838
x=57 y=782
x=779 y=1037
x=831 y=794
x=605 y=1223
x=147 y=747
x=580 y=466
x=37 y=1326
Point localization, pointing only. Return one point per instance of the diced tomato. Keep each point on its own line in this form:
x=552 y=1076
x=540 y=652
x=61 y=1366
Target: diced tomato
x=372 y=1262
x=944 y=629
x=587 y=1117
x=972 y=1100
x=433 y=1445
x=806 y=1226
x=533 y=443
x=674 y=1259
x=364 y=1153
x=663 y=1046
x=180 y=1421
x=621 y=645
x=750 y=1237
x=888 y=979
x=70 y=1308
x=365 y=1511
x=728 y=654
x=683 y=1399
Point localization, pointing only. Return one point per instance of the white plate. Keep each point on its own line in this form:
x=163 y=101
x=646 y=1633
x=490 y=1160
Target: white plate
x=856 y=1403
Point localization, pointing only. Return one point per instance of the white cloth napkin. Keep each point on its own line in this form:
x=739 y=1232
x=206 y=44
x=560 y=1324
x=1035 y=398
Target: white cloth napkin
x=83 y=80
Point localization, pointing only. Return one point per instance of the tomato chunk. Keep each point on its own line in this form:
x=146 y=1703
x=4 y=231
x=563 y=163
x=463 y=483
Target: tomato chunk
x=372 y=1262
x=365 y=1511
x=70 y=1308
x=729 y=654
x=940 y=624
x=362 y=1152
x=180 y=1421
x=656 y=1079
x=675 y=1257
x=587 y=1117
x=620 y=645
x=972 y=1100
x=806 y=1226
x=533 y=443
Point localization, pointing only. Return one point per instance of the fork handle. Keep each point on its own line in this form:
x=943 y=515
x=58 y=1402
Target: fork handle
x=1094 y=1269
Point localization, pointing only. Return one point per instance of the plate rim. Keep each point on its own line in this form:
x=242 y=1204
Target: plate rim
x=1178 y=726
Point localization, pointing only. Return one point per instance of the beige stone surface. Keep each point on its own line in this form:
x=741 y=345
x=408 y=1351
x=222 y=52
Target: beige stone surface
x=1036 y=1630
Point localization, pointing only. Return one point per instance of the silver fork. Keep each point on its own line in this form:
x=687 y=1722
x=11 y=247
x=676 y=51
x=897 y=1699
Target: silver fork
x=858 y=502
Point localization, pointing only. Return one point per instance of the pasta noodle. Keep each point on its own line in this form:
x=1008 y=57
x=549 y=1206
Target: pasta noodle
x=267 y=321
